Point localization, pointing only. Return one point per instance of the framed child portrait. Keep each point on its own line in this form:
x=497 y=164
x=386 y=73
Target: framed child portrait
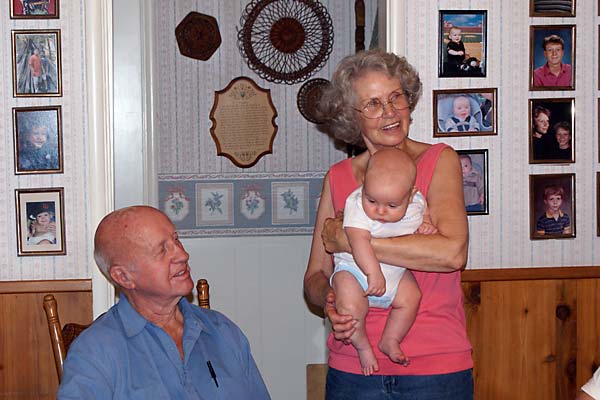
x=38 y=140
x=552 y=57
x=462 y=43
x=33 y=9
x=552 y=206
x=551 y=8
x=464 y=112
x=36 y=63
x=40 y=222
x=474 y=165
x=552 y=131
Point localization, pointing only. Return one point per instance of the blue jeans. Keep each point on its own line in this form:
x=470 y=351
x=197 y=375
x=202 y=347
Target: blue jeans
x=453 y=386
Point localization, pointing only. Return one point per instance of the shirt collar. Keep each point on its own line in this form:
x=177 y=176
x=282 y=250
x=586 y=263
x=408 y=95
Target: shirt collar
x=547 y=69
x=134 y=323
x=560 y=214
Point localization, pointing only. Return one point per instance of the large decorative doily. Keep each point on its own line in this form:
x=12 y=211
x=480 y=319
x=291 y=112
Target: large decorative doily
x=285 y=41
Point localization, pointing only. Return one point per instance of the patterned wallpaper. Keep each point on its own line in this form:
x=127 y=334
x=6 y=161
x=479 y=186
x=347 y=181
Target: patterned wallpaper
x=187 y=158
x=74 y=180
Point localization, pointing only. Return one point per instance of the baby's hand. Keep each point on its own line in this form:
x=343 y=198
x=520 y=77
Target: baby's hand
x=427 y=229
x=376 y=284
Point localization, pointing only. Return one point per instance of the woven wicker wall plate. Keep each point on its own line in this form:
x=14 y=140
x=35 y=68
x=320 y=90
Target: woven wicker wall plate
x=198 y=36
x=308 y=98
x=285 y=41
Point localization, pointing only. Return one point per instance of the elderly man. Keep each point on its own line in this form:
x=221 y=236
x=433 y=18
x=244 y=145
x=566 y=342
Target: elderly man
x=154 y=344
x=553 y=72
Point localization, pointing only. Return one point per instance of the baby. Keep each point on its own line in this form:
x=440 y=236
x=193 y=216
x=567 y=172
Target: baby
x=388 y=204
x=42 y=229
x=461 y=119
x=472 y=185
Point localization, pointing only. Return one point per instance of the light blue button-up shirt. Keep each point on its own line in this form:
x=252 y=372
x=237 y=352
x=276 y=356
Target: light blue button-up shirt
x=123 y=356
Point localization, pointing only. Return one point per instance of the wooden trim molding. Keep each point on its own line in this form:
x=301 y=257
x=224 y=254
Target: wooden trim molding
x=67 y=285
x=521 y=274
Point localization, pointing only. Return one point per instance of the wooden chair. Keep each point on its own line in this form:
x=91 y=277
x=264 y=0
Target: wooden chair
x=61 y=339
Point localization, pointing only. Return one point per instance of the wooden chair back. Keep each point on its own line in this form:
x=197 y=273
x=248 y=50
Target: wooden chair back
x=61 y=338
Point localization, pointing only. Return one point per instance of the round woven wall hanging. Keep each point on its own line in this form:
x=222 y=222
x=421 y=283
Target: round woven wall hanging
x=308 y=99
x=285 y=41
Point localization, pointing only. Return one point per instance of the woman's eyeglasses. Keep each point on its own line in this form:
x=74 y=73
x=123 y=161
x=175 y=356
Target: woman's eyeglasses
x=375 y=108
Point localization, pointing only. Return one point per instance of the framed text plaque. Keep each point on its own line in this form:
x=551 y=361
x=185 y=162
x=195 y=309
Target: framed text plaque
x=243 y=122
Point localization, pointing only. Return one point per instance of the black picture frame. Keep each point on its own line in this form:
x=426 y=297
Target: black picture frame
x=472 y=43
x=475 y=180
x=37 y=138
x=545 y=148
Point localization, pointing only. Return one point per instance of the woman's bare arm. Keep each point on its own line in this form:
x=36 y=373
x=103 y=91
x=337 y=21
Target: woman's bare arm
x=445 y=251
x=320 y=267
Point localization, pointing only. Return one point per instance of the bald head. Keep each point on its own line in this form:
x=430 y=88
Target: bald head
x=392 y=166
x=120 y=234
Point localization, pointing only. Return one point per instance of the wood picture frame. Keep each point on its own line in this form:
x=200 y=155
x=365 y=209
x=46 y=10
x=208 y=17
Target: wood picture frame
x=474 y=164
x=552 y=8
x=465 y=112
x=552 y=206
x=37 y=138
x=462 y=43
x=549 y=119
x=34 y=9
x=552 y=46
x=40 y=222
x=36 y=64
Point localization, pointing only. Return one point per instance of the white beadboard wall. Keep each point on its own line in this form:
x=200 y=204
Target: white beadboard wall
x=501 y=239
x=77 y=263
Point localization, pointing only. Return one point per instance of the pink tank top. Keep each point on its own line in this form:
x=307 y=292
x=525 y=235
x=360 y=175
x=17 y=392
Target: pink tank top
x=437 y=342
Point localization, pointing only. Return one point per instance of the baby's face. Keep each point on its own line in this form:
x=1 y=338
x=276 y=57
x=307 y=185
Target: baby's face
x=455 y=35
x=385 y=203
x=38 y=136
x=462 y=107
x=467 y=167
x=43 y=218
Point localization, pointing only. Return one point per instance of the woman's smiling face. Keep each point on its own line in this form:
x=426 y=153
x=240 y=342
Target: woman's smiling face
x=391 y=129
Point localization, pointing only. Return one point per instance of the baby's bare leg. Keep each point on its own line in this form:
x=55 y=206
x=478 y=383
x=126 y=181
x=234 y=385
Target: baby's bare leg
x=350 y=299
x=404 y=310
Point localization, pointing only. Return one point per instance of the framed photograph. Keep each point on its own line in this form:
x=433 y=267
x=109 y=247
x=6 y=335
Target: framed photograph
x=552 y=57
x=38 y=140
x=40 y=222
x=552 y=131
x=552 y=206
x=36 y=63
x=464 y=112
x=462 y=43
x=597 y=203
x=33 y=9
x=474 y=165
x=551 y=8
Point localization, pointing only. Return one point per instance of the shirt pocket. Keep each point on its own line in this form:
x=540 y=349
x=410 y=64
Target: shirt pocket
x=147 y=393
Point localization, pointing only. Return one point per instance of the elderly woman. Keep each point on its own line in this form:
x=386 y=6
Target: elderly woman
x=369 y=103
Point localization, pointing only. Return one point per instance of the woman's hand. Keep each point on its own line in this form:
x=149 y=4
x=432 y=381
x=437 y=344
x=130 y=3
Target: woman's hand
x=343 y=326
x=333 y=235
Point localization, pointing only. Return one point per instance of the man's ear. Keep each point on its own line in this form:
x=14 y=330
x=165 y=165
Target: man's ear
x=122 y=276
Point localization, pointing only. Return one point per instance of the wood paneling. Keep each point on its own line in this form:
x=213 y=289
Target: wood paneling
x=26 y=362
x=534 y=331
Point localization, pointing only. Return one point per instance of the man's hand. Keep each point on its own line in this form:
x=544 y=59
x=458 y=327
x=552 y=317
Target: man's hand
x=333 y=235
x=343 y=326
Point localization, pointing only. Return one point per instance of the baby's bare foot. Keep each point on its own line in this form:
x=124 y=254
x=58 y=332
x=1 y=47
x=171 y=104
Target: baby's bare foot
x=391 y=347
x=368 y=361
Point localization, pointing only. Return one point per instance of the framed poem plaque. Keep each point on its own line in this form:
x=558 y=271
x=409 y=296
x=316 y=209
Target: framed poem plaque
x=243 y=122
